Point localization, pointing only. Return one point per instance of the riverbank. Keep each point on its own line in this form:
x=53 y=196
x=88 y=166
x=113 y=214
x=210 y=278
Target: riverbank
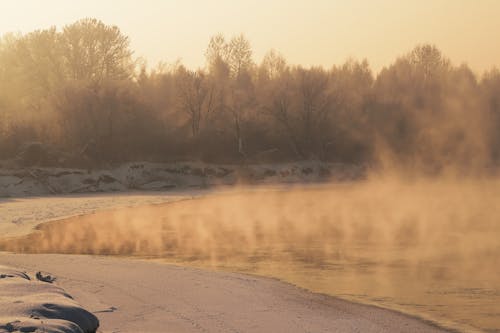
x=146 y=176
x=142 y=296
x=382 y=243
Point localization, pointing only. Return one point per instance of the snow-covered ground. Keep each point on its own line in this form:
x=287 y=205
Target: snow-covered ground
x=18 y=216
x=143 y=296
x=143 y=176
x=137 y=296
x=34 y=304
x=136 y=184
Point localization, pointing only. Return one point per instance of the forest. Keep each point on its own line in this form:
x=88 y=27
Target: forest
x=80 y=93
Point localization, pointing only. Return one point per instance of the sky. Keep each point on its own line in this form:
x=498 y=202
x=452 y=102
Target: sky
x=307 y=32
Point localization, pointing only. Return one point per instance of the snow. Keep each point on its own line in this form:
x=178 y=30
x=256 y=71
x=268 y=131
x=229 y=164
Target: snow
x=30 y=305
x=131 y=296
x=135 y=184
x=18 y=216
x=144 y=176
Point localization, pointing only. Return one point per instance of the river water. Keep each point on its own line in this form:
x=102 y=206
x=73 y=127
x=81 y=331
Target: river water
x=430 y=248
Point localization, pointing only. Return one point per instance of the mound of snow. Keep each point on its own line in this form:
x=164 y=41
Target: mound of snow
x=30 y=305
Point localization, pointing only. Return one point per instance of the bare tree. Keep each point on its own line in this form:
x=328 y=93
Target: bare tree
x=238 y=103
x=196 y=97
x=273 y=64
x=239 y=55
x=94 y=51
x=241 y=95
x=217 y=50
x=314 y=106
x=278 y=103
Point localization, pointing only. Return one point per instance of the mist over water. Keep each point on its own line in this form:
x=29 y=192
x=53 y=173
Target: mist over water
x=427 y=246
x=420 y=234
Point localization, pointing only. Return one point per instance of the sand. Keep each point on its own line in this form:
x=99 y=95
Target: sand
x=143 y=296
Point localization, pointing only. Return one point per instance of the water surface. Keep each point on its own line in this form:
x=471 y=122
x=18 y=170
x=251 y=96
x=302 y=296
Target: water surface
x=429 y=248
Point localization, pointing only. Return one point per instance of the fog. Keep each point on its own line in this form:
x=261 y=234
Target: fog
x=419 y=234
x=76 y=96
x=428 y=247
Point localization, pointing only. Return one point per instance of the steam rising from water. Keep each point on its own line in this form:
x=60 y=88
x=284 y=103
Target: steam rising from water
x=428 y=246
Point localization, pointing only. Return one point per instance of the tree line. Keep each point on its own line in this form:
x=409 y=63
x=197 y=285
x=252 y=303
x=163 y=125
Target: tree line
x=80 y=91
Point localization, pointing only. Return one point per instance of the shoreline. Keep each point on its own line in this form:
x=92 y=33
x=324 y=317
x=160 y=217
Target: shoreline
x=445 y=325
x=442 y=324
x=209 y=298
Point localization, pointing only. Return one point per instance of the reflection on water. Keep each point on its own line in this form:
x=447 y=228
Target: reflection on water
x=429 y=248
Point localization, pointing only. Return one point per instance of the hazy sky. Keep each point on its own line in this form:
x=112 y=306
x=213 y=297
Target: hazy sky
x=309 y=32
